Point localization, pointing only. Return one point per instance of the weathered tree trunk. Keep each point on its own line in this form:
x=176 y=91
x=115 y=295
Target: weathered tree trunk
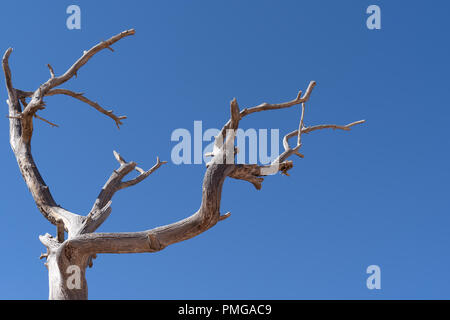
x=66 y=275
x=67 y=259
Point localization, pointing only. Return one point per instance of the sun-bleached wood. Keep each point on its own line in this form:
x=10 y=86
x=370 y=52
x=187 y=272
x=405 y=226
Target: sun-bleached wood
x=83 y=243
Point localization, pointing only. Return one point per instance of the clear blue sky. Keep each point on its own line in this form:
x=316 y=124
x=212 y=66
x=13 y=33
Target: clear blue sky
x=376 y=195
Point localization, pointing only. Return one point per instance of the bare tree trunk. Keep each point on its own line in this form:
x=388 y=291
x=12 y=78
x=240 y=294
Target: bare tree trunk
x=66 y=275
x=67 y=259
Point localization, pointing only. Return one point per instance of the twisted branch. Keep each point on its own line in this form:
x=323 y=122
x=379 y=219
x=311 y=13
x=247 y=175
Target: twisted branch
x=21 y=130
x=253 y=173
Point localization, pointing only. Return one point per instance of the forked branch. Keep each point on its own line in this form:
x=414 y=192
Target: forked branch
x=21 y=130
x=262 y=107
x=38 y=95
x=102 y=206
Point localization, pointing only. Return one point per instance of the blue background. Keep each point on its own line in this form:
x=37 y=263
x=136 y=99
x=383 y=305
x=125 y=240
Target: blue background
x=375 y=195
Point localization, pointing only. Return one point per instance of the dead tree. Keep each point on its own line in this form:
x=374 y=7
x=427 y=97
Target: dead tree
x=67 y=256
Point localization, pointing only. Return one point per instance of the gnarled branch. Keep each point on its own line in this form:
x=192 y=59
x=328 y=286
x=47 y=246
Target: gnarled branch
x=83 y=242
x=217 y=170
x=262 y=107
x=22 y=150
x=21 y=129
x=102 y=206
x=37 y=97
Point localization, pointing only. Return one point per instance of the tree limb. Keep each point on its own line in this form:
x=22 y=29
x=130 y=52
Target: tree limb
x=37 y=97
x=209 y=212
x=22 y=150
x=7 y=72
x=263 y=107
x=46 y=121
x=21 y=128
x=253 y=173
x=143 y=174
x=319 y=127
x=95 y=105
x=102 y=206
x=158 y=238
x=87 y=55
x=80 y=96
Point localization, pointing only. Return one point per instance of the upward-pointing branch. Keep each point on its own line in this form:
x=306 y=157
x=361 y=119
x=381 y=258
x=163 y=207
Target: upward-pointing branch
x=22 y=150
x=7 y=71
x=264 y=107
x=38 y=95
x=102 y=206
